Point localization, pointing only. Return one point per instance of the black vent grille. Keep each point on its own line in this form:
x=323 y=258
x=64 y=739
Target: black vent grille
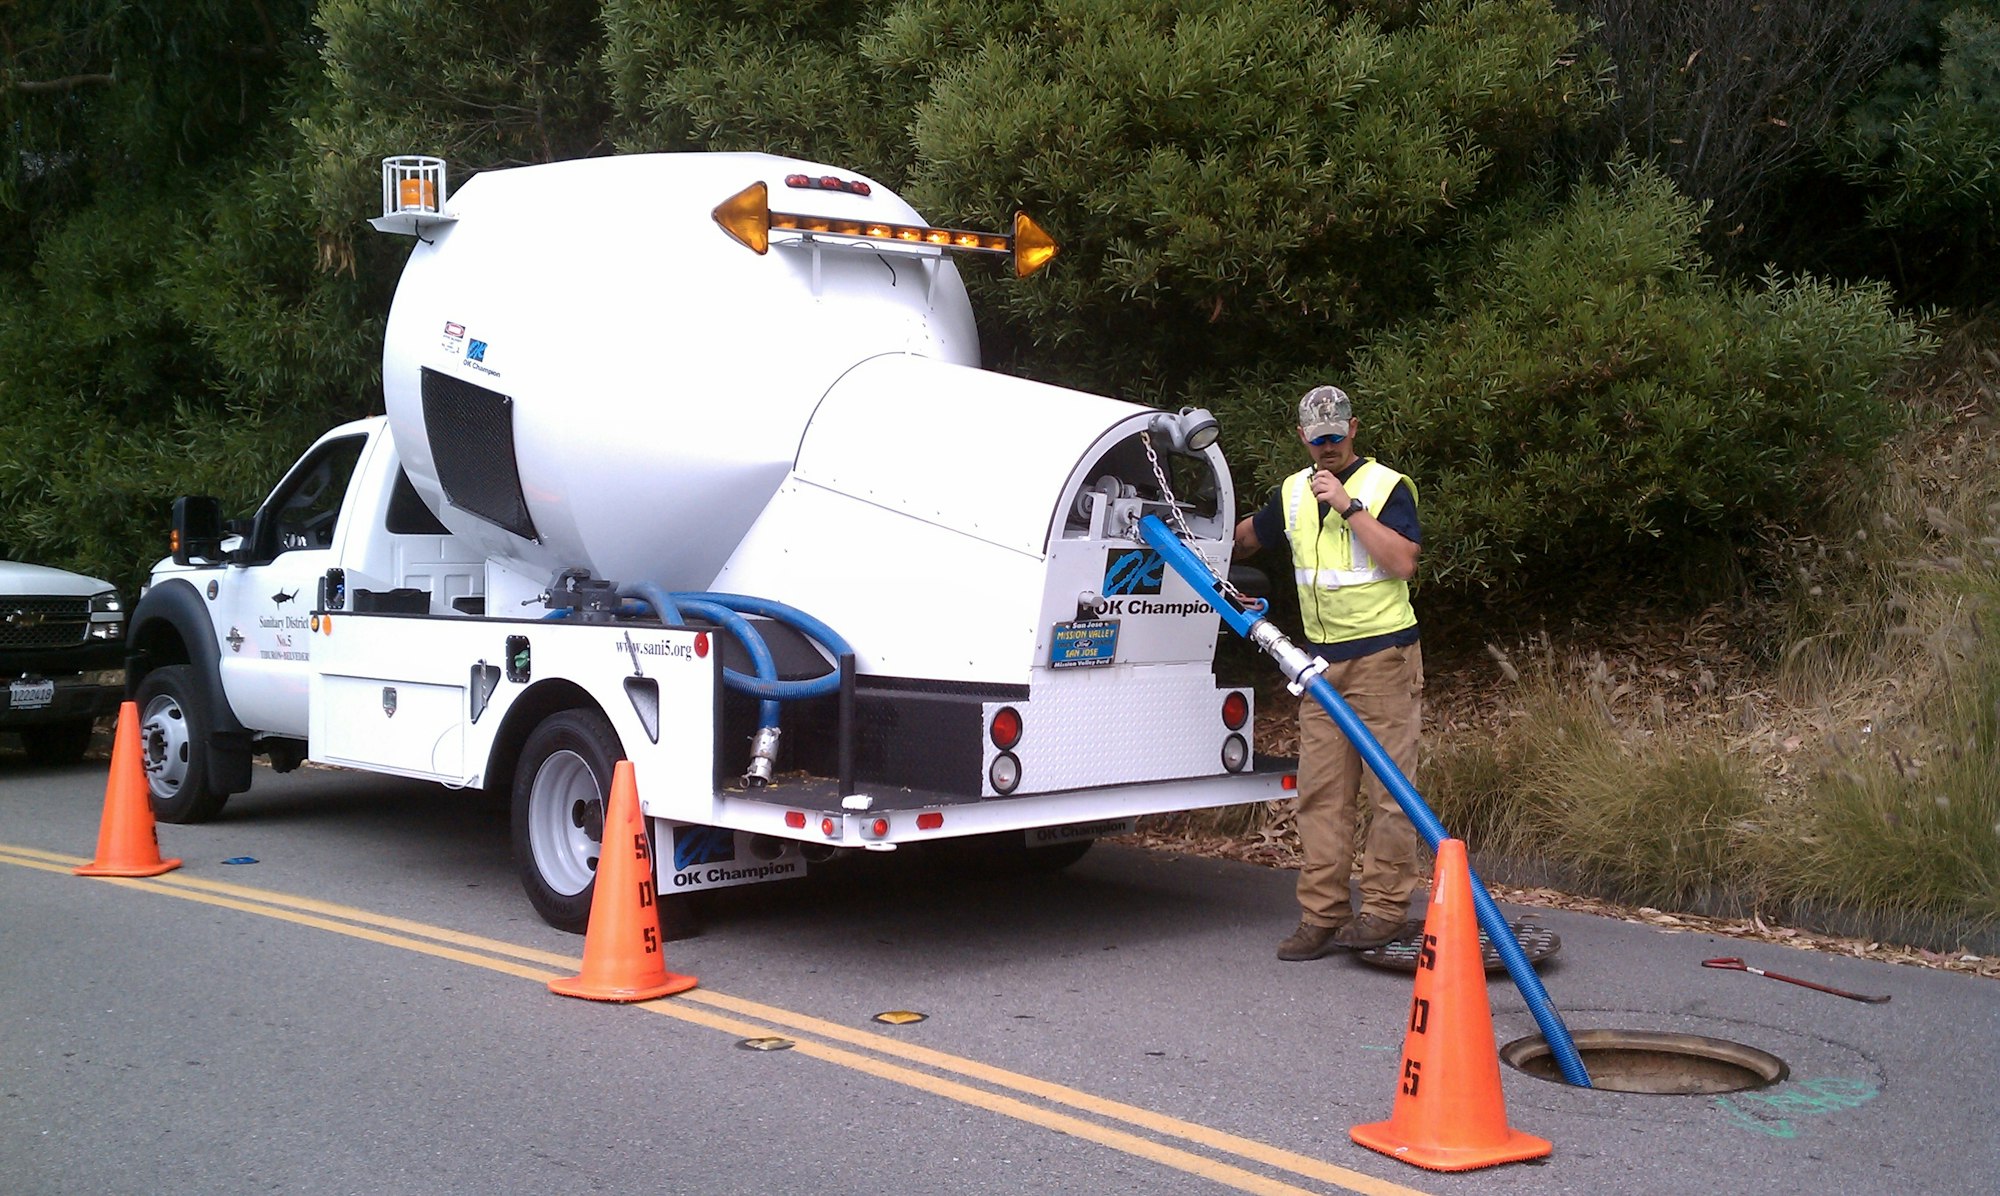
x=472 y=441
x=43 y=622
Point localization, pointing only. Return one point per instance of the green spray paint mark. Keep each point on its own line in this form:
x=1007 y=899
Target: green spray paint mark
x=1772 y=1113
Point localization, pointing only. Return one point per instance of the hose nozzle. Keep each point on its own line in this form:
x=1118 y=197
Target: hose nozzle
x=763 y=757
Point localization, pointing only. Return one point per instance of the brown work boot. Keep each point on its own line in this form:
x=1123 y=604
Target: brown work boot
x=1309 y=942
x=1368 y=930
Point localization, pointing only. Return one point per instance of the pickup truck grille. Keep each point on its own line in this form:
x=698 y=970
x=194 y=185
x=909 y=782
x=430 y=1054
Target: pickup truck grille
x=43 y=622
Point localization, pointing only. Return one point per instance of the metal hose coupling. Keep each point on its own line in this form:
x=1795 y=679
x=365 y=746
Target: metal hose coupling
x=1299 y=665
x=763 y=757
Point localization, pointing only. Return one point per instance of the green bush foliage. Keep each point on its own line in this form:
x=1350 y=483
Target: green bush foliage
x=1230 y=182
x=1596 y=388
x=1925 y=147
x=481 y=83
x=130 y=146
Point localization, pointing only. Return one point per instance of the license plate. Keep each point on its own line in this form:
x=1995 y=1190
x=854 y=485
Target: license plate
x=30 y=695
x=1083 y=643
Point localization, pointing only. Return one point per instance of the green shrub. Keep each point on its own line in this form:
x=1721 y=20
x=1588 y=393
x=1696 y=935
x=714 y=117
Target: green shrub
x=1595 y=389
x=1924 y=146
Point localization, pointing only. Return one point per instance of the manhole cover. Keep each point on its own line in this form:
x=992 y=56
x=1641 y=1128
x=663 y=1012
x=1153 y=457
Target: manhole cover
x=1650 y=1061
x=1400 y=953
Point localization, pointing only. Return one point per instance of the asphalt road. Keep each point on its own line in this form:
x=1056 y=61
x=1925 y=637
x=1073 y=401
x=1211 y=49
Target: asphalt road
x=364 y=1010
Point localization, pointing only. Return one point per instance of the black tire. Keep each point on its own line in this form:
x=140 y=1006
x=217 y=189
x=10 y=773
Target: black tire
x=1054 y=858
x=1005 y=854
x=57 y=743
x=174 y=726
x=561 y=787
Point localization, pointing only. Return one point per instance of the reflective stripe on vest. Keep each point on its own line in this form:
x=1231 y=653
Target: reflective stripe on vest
x=1343 y=593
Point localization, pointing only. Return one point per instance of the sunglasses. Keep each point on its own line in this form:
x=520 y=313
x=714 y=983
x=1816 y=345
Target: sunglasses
x=1323 y=441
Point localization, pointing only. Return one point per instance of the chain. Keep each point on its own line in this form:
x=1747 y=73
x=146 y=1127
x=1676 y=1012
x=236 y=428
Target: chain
x=1180 y=523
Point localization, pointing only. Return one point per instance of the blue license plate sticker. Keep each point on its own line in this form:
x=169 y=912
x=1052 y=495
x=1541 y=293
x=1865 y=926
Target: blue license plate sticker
x=1083 y=643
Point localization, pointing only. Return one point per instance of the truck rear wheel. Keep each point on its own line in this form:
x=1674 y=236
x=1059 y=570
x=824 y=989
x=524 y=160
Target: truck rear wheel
x=1006 y=854
x=174 y=725
x=561 y=788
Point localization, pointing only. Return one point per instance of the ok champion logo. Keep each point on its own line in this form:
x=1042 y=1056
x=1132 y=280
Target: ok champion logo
x=1133 y=571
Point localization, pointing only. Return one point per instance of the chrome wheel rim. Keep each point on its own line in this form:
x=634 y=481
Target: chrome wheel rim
x=566 y=822
x=165 y=745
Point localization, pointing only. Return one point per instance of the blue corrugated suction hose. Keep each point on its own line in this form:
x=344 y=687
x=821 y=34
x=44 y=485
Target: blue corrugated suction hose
x=727 y=611
x=792 y=617
x=1302 y=670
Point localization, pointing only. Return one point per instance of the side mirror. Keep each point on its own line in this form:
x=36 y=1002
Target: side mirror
x=197 y=535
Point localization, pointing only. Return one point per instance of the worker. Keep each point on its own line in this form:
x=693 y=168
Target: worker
x=1352 y=526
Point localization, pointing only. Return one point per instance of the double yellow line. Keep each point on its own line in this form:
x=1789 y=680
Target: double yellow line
x=878 y=1055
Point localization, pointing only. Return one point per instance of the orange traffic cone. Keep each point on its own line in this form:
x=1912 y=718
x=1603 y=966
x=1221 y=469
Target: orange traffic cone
x=1449 y=1114
x=127 y=842
x=622 y=960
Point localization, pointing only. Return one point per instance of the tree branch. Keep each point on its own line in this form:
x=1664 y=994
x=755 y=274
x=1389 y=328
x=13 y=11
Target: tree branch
x=66 y=83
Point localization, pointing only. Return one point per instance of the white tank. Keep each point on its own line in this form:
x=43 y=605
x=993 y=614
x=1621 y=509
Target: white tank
x=583 y=370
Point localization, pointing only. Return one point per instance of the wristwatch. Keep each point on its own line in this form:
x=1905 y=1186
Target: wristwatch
x=1354 y=508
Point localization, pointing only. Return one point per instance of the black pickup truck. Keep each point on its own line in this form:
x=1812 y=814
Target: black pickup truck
x=62 y=658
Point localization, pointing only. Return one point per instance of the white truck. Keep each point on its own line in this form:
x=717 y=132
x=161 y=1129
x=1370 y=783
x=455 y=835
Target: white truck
x=688 y=459
x=62 y=653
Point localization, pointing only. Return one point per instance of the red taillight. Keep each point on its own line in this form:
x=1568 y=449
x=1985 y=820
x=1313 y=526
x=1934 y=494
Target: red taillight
x=880 y=826
x=826 y=827
x=796 y=819
x=930 y=821
x=827 y=182
x=1290 y=783
x=1006 y=728
x=701 y=644
x=1235 y=709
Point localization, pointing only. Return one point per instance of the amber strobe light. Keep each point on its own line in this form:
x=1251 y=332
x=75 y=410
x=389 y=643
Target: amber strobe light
x=747 y=217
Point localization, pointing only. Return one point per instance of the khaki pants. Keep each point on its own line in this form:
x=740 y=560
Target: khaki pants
x=1386 y=689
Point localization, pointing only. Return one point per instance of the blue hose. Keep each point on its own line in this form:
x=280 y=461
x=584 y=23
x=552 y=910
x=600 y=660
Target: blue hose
x=791 y=616
x=655 y=597
x=1253 y=628
x=726 y=610
x=753 y=643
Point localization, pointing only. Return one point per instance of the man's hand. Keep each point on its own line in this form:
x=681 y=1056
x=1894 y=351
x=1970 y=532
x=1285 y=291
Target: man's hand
x=1327 y=488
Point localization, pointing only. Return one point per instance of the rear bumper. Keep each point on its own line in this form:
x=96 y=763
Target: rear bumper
x=883 y=815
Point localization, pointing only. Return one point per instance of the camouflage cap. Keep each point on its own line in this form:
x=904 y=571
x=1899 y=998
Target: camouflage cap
x=1325 y=411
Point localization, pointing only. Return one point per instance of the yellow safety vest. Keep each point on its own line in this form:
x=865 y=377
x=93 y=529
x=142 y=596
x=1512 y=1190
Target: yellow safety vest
x=1343 y=594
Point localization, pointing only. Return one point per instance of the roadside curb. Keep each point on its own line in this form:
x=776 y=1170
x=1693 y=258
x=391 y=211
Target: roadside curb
x=1934 y=934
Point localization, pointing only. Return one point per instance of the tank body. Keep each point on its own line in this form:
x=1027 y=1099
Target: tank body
x=584 y=371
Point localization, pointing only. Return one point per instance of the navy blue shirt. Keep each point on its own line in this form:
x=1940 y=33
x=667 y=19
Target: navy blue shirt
x=1399 y=514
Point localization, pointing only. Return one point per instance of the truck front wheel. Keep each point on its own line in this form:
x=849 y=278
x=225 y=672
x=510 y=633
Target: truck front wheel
x=174 y=725
x=57 y=743
x=561 y=788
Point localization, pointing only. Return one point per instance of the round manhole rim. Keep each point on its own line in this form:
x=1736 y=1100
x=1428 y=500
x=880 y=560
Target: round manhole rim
x=1765 y=1068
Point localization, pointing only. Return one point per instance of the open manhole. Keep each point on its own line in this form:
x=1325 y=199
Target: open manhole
x=1649 y=1061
